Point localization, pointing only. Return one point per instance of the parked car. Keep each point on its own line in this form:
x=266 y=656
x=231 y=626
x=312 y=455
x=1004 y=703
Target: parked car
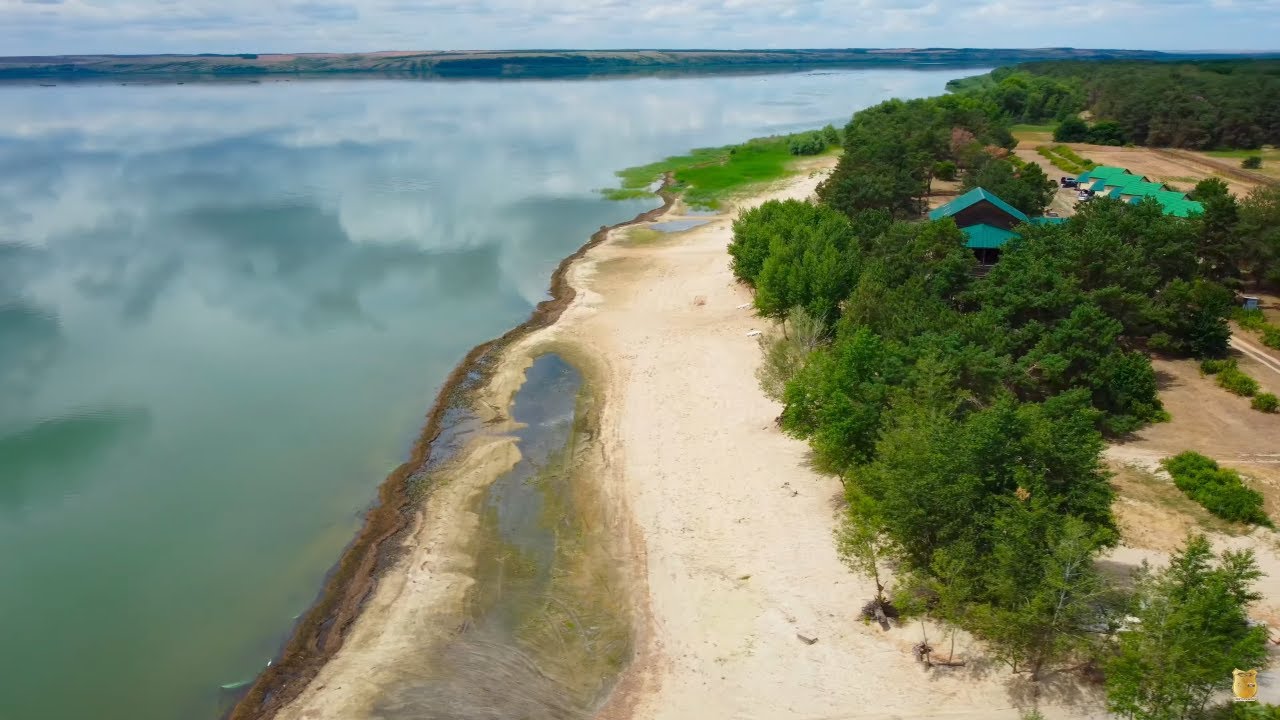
x=1050 y=213
x=1068 y=182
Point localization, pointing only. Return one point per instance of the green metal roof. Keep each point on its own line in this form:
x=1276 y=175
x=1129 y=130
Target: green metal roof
x=1121 y=179
x=987 y=237
x=1101 y=172
x=974 y=197
x=1048 y=220
x=1182 y=208
x=1142 y=189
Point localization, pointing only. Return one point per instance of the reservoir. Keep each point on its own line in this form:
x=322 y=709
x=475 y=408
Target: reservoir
x=226 y=308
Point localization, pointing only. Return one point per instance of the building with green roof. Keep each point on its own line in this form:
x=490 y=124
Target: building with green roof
x=987 y=222
x=1119 y=183
x=980 y=207
x=1100 y=172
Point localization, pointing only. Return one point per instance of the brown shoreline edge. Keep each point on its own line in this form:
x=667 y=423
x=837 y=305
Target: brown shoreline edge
x=321 y=630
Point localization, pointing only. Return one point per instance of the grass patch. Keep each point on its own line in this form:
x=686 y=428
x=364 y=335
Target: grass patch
x=1250 y=319
x=1265 y=402
x=708 y=175
x=1032 y=133
x=1257 y=322
x=1029 y=128
x=1144 y=487
x=1241 y=154
x=1065 y=159
x=1219 y=490
x=639 y=235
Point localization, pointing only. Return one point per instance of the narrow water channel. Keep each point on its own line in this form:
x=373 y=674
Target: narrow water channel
x=544 y=639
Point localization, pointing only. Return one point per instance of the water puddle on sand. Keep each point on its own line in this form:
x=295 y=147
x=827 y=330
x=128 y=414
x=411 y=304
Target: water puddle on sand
x=675 y=226
x=547 y=631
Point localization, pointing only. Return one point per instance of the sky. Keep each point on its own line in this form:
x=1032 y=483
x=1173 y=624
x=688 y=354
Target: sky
x=50 y=27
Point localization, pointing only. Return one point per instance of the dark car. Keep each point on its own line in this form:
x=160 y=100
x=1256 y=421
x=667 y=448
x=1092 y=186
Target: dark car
x=1069 y=182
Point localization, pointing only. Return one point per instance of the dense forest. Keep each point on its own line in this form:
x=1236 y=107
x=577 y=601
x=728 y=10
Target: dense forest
x=532 y=63
x=966 y=414
x=1200 y=105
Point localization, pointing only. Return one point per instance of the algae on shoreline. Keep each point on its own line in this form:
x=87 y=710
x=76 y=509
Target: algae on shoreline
x=546 y=630
x=705 y=176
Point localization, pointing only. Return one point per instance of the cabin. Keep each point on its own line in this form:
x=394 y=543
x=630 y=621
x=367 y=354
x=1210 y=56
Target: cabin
x=1120 y=184
x=987 y=222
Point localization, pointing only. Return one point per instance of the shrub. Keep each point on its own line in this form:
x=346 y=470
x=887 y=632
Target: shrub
x=830 y=135
x=807 y=144
x=1220 y=491
x=1265 y=402
x=1107 y=132
x=1237 y=382
x=1213 y=366
x=945 y=170
x=1271 y=337
x=1071 y=129
x=785 y=352
x=1253 y=162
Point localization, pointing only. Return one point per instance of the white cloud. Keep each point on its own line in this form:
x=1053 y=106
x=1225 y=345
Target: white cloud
x=75 y=26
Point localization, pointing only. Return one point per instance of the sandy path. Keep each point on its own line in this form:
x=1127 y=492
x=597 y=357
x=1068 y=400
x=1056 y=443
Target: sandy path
x=735 y=526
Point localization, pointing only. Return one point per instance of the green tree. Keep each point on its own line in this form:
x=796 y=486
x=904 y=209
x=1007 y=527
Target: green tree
x=1028 y=189
x=789 y=225
x=837 y=399
x=1191 y=317
x=1045 y=598
x=1107 y=132
x=1071 y=129
x=787 y=349
x=1259 y=233
x=1189 y=632
x=1221 y=251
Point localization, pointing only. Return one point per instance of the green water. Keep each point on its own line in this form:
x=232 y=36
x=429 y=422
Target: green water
x=225 y=310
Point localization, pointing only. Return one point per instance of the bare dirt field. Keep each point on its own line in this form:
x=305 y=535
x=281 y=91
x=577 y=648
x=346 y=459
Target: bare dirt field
x=1179 y=170
x=1155 y=517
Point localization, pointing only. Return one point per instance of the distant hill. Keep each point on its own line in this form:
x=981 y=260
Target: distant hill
x=531 y=63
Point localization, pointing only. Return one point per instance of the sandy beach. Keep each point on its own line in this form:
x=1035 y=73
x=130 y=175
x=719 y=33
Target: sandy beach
x=736 y=528
x=717 y=522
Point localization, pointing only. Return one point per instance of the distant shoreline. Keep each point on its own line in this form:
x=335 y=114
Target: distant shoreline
x=549 y=64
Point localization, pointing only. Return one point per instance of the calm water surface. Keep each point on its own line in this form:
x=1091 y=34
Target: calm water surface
x=225 y=309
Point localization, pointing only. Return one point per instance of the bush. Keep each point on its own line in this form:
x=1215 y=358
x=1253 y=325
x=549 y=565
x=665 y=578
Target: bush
x=1107 y=132
x=1213 y=366
x=830 y=135
x=945 y=170
x=807 y=144
x=1220 y=491
x=1265 y=402
x=1071 y=129
x=1237 y=382
x=1271 y=337
x=785 y=352
x=1253 y=162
